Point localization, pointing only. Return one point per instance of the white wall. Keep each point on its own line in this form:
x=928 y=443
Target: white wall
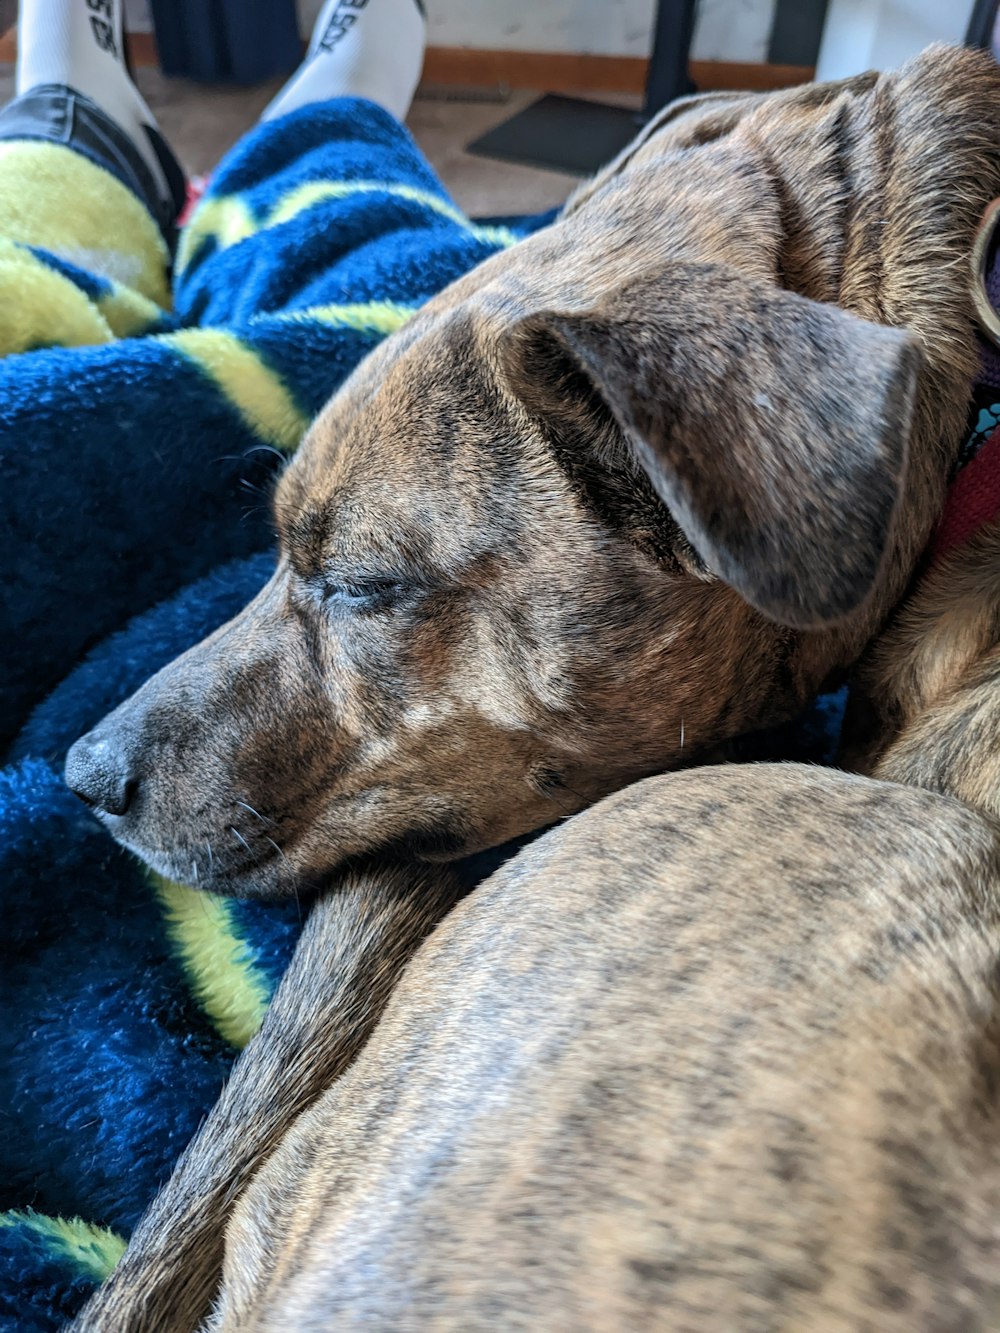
x=881 y=34
x=726 y=29
x=137 y=16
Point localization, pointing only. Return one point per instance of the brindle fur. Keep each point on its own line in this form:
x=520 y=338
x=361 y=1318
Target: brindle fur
x=353 y=947
x=926 y=686
x=627 y=489
x=720 y=1052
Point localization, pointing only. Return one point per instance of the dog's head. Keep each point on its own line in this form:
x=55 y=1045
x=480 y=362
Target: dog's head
x=527 y=556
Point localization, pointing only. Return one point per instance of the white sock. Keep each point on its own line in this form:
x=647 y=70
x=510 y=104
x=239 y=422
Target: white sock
x=359 y=48
x=79 y=43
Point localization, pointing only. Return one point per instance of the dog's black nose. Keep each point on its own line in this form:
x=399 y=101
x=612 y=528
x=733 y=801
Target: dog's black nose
x=98 y=772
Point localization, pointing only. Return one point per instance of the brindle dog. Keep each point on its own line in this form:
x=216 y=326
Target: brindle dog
x=633 y=486
x=722 y=1052
x=640 y=483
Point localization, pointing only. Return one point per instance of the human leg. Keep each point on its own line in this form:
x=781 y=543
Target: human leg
x=88 y=189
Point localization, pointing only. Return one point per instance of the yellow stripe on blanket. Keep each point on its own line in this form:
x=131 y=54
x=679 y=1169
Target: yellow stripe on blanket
x=94 y=1250
x=127 y=312
x=227 y=983
x=39 y=307
x=227 y=219
x=376 y=316
x=310 y=194
x=60 y=201
x=252 y=387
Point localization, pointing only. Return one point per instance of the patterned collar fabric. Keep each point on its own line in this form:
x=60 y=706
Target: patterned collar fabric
x=973 y=498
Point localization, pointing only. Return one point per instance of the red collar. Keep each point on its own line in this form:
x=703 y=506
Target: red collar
x=973 y=498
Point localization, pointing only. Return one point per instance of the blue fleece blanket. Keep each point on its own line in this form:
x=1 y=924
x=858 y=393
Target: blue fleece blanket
x=134 y=476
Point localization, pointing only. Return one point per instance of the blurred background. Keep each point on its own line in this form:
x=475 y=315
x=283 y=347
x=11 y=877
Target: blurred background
x=519 y=97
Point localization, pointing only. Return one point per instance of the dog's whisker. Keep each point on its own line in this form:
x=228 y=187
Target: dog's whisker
x=256 y=813
x=682 y=733
x=237 y=834
x=555 y=794
x=277 y=849
x=267 y=449
x=211 y=858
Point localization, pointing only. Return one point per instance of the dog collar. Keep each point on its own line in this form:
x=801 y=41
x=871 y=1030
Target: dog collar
x=973 y=497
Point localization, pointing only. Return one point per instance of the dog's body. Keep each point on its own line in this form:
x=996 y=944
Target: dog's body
x=682 y=1092
x=661 y=1075
x=721 y=1052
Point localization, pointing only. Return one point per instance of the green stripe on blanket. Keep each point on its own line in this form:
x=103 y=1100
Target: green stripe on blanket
x=91 y=1249
x=217 y=961
x=229 y=219
x=241 y=374
x=256 y=391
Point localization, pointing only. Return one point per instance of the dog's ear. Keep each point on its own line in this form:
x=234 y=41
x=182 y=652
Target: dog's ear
x=773 y=427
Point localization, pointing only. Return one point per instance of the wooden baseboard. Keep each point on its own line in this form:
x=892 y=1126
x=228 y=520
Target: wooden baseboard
x=544 y=71
x=566 y=72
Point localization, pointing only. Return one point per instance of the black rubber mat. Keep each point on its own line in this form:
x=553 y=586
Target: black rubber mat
x=561 y=133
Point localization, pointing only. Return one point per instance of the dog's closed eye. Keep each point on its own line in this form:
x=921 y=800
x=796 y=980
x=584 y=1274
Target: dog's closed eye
x=364 y=594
